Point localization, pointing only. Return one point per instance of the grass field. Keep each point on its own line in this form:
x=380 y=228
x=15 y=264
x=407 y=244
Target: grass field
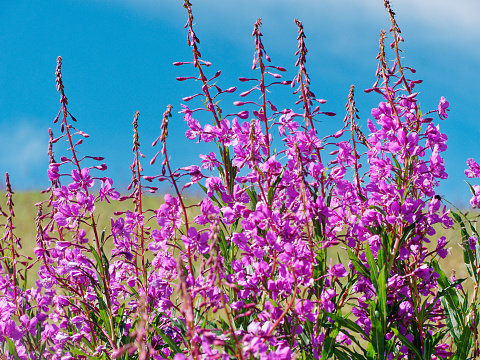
x=26 y=211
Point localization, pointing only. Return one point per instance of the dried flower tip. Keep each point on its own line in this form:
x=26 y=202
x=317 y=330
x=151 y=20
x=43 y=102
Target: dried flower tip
x=164 y=127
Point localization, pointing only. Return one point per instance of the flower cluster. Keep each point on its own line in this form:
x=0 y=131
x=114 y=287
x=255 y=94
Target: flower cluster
x=252 y=270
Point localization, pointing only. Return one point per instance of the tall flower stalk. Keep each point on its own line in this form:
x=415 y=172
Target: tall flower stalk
x=245 y=272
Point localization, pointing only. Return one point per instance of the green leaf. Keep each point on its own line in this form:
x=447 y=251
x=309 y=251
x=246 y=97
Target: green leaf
x=451 y=320
x=106 y=266
x=203 y=188
x=406 y=233
x=397 y=164
x=213 y=197
x=465 y=344
x=381 y=258
x=329 y=343
x=382 y=298
x=102 y=237
x=102 y=309
x=77 y=351
x=347 y=323
x=253 y=198
x=120 y=322
x=373 y=266
x=97 y=258
x=448 y=295
x=24 y=285
x=362 y=197
x=340 y=355
x=85 y=341
x=370 y=352
x=445 y=284
x=352 y=353
x=430 y=343
x=233 y=176
x=362 y=269
x=408 y=344
x=223 y=324
x=377 y=335
x=12 y=349
x=273 y=187
x=442 y=293
x=471 y=187
x=329 y=196
x=169 y=341
x=226 y=250
x=273 y=302
x=456 y=217
x=134 y=292
x=380 y=210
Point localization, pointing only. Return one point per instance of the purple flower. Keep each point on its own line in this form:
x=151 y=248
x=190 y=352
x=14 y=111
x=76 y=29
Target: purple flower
x=9 y=329
x=196 y=241
x=345 y=154
x=237 y=305
x=208 y=212
x=160 y=241
x=435 y=137
x=81 y=179
x=224 y=133
x=195 y=173
x=442 y=108
x=271 y=166
x=117 y=226
x=195 y=128
x=287 y=123
x=86 y=202
x=325 y=302
x=437 y=164
x=442 y=350
x=475 y=200
x=423 y=272
x=107 y=191
x=81 y=236
x=337 y=270
x=304 y=310
x=169 y=212
x=342 y=338
x=39 y=251
x=6 y=309
x=52 y=172
x=66 y=214
x=472 y=242
x=453 y=279
x=63 y=195
x=473 y=170
x=209 y=161
x=442 y=252
x=214 y=183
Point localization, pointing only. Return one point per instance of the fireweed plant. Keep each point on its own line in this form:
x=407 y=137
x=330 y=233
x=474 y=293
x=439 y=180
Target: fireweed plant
x=250 y=276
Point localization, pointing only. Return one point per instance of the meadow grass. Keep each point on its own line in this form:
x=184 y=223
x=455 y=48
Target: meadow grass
x=26 y=211
x=284 y=260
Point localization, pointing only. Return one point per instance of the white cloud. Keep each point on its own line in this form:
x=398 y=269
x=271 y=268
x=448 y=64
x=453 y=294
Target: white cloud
x=23 y=151
x=444 y=14
x=442 y=20
x=445 y=20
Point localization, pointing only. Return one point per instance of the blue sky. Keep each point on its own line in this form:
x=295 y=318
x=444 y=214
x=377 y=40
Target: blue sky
x=118 y=55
